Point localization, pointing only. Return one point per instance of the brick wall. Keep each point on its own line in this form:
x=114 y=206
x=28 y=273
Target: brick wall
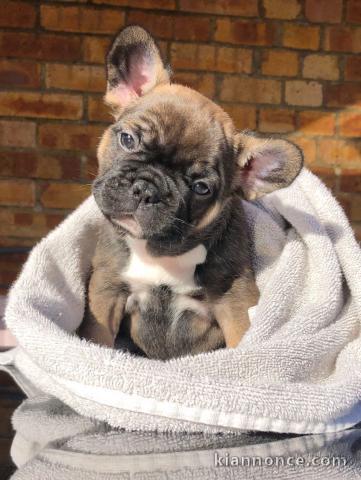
x=278 y=66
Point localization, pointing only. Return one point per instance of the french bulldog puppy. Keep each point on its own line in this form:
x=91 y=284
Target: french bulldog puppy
x=172 y=267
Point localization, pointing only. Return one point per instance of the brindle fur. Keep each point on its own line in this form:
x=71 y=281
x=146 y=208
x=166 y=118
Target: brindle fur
x=183 y=135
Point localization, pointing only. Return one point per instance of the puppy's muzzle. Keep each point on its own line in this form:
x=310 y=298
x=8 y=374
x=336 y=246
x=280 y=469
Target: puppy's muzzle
x=120 y=189
x=145 y=193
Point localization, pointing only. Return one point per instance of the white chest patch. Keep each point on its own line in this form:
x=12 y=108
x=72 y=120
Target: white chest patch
x=174 y=271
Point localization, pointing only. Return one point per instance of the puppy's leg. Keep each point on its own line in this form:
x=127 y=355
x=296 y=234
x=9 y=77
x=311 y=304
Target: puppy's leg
x=105 y=310
x=231 y=311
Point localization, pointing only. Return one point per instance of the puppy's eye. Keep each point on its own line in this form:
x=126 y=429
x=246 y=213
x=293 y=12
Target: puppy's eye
x=200 y=188
x=126 y=140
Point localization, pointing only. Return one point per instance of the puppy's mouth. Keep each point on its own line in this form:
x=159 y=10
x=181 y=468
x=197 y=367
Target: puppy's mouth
x=129 y=223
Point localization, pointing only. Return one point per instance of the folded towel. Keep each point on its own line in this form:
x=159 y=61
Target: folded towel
x=52 y=441
x=298 y=368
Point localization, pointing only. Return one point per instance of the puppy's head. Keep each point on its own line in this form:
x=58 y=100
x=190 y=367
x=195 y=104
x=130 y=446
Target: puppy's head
x=172 y=159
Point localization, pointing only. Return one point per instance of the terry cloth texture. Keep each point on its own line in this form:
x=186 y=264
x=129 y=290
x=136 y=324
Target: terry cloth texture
x=298 y=368
x=52 y=441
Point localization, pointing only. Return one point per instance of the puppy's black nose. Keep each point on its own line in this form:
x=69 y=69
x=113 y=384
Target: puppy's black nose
x=145 y=192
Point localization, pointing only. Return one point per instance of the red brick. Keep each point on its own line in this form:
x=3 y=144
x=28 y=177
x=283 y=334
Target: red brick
x=151 y=4
x=159 y=25
x=243 y=116
x=301 y=36
x=6 y=278
x=192 y=28
x=17 y=192
x=329 y=11
x=245 y=32
x=233 y=60
x=355 y=207
x=324 y=67
x=90 y=168
x=327 y=175
x=163 y=48
x=75 y=77
x=353 y=13
x=343 y=39
x=16 y=242
x=312 y=122
x=95 y=49
x=339 y=152
x=17 y=14
x=27 y=224
x=40 y=46
x=17 y=134
x=350 y=181
x=64 y=195
x=97 y=111
x=70 y=137
x=242 y=8
x=279 y=63
x=303 y=93
x=357 y=231
x=171 y=27
x=353 y=68
x=81 y=19
x=17 y=73
x=282 y=9
x=277 y=120
x=350 y=124
x=307 y=145
x=250 y=90
x=345 y=202
x=342 y=95
x=41 y=105
x=202 y=82
x=37 y=164
x=11 y=265
x=191 y=56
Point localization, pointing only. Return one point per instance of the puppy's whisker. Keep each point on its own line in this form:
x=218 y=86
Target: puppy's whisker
x=177 y=219
x=91 y=174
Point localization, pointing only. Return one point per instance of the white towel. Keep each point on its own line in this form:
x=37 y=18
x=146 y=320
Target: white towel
x=298 y=368
x=51 y=441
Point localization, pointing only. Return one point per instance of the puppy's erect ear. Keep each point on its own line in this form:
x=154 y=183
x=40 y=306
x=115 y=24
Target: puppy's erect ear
x=134 y=67
x=266 y=164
